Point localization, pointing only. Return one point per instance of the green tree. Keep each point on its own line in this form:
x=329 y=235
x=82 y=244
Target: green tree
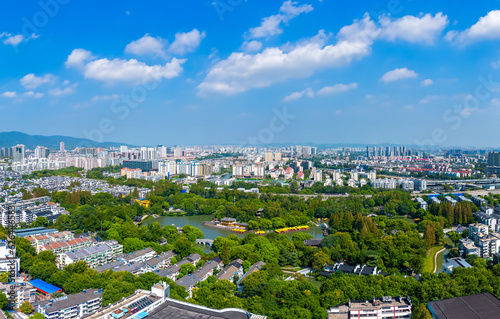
x=47 y=256
x=4 y=302
x=4 y=277
x=135 y=193
x=319 y=260
x=186 y=269
x=26 y=308
x=225 y=255
x=421 y=312
x=43 y=270
x=37 y=316
x=183 y=246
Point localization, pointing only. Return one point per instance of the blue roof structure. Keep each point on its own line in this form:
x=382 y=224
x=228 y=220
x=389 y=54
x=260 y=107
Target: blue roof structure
x=141 y=315
x=44 y=287
x=34 y=231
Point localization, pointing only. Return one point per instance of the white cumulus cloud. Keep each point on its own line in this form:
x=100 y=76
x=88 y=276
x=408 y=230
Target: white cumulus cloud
x=398 y=74
x=31 y=81
x=121 y=70
x=244 y=71
x=77 y=58
x=147 y=45
x=252 y=46
x=186 y=42
x=487 y=28
x=424 y=29
x=426 y=82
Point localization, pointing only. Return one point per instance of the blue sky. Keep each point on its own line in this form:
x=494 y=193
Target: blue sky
x=234 y=71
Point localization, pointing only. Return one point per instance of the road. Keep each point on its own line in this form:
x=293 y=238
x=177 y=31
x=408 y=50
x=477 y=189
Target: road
x=480 y=192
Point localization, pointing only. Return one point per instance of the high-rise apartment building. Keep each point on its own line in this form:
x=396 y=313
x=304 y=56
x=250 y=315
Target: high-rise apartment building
x=41 y=152
x=268 y=157
x=18 y=153
x=494 y=159
x=62 y=147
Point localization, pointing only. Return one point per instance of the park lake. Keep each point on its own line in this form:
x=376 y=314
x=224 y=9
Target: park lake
x=211 y=232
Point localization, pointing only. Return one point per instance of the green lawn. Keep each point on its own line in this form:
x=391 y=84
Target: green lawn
x=314 y=281
x=429 y=259
x=409 y=220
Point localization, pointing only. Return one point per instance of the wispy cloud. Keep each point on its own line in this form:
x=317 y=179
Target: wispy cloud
x=15 y=39
x=271 y=25
x=327 y=90
x=64 y=91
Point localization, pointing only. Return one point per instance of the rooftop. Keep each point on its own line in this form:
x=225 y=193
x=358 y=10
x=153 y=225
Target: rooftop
x=480 y=306
x=44 y=287
x=71 y=300
x=138 y=253
x=173 y=309
x=84 y=252
x=112 y=265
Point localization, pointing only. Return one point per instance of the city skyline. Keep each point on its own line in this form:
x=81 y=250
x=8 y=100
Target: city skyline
x=246 y=73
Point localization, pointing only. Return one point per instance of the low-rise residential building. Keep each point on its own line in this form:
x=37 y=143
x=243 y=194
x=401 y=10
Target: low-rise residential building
x=135 y=268
x=478 y=201
x=8 y=260
x=205 y=271
x=161 y=261
x=140 y=255
x=462 y=198
x=72 y=306
x=95 y=256
x=361 y=270
x=385 y=307
x=450 y=200
x=60 y=247
x=453 y=263
x=138 y=305
x=254 y=268
x=232 y=270
x=172 y=271
x=481 y=242
x=422 y=203
x=115 y=265
x=487 y=217
x=435 y=200
x=466 y=247
x=24 y=292
x=385 y=183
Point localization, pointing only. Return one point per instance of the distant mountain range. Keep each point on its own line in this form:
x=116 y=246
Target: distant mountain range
x=8 y=139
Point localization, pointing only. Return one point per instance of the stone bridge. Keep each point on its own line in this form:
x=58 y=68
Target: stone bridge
x=208 y=242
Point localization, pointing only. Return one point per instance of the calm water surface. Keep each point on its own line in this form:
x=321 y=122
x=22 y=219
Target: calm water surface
x=212 y=233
